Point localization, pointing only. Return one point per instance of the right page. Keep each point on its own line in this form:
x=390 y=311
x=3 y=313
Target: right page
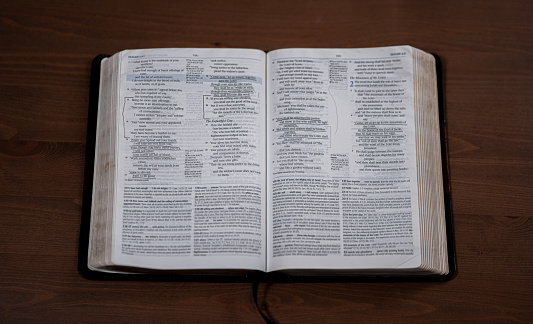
x=342 y=178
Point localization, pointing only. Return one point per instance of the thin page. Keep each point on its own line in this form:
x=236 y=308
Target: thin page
x=190 y=180
x=341 y=159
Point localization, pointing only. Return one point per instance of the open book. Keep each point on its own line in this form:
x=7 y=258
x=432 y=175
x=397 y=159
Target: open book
x=296 y=161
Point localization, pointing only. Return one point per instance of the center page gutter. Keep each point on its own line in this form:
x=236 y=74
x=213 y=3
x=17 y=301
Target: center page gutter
x=341 y=164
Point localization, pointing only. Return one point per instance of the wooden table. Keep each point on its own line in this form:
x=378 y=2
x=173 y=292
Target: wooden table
x=46 y=49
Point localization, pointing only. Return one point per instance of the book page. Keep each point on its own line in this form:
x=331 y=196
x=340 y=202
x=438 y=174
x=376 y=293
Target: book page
x=341 y=159
x=190 y=181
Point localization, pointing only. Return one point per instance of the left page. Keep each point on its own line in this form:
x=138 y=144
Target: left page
x=190 y=190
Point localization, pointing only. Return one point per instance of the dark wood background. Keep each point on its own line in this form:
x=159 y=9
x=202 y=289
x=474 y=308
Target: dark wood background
x=46 y=48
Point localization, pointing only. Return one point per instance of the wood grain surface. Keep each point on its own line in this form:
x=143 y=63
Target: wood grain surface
x=46 y=48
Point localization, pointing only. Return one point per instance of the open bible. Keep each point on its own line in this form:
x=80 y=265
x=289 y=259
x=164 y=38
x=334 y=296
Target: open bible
x=301 y=162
